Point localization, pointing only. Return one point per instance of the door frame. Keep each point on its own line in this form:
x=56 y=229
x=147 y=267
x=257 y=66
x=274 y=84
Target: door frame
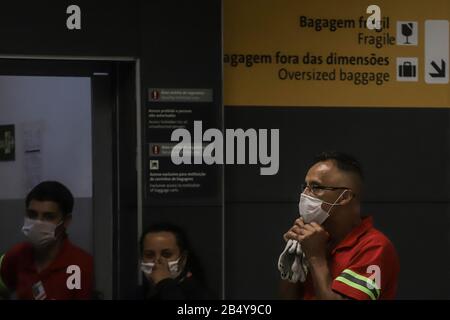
x=108 y=266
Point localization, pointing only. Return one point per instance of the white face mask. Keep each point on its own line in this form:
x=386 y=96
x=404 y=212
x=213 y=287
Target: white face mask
x=147 y=268
x=39 y=233
x=310 y=208
x=174 y=268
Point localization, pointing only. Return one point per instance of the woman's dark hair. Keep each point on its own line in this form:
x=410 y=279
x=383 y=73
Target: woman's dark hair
x=192 y=262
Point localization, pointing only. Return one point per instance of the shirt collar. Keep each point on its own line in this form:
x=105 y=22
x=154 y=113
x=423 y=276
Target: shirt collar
x=351 y=238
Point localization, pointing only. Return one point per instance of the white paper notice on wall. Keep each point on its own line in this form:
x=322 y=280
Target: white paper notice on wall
x=32 y=148
x=33 y=169
x=32 y=135
x=436 y=51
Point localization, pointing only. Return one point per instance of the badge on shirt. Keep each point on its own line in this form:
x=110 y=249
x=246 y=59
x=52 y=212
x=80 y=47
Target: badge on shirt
x=39 y=291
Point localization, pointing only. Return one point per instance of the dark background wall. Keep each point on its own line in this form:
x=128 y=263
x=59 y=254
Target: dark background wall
x=181 y=48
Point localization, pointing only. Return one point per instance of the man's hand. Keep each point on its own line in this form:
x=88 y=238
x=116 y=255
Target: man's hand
x=312 y=237
x=160 y=271
x=294 y=231
x=314 y=240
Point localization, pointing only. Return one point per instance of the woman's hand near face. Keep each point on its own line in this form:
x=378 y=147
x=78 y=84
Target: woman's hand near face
x=160 y=271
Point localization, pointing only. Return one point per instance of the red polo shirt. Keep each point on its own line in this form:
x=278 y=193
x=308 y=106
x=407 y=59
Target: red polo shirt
x=59 y=281
x=363 y=266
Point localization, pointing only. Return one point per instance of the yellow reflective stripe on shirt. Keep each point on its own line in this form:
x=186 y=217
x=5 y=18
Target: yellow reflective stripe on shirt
x=357 y=281
x=356 y=286
x=370 y=282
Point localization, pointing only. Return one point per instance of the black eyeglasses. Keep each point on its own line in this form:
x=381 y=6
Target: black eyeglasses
x=315 y=188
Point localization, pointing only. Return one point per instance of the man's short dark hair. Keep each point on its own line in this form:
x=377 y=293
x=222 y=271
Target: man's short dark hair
x=344 y=162
x=52 y=191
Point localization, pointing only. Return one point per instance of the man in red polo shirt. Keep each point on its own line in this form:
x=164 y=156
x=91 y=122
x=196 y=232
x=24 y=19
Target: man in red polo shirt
x=346 y=257
x=48 y=266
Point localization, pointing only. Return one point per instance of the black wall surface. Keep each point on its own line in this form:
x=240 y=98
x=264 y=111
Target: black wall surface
x=181 y=48
x=108 y=28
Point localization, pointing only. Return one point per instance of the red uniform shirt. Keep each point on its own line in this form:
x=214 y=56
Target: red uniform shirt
x=363 y=266
x=57 y=282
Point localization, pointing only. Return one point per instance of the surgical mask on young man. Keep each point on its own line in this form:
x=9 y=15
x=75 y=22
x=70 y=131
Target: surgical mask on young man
x=147 y=268
x=310 y=208
x=39 y=233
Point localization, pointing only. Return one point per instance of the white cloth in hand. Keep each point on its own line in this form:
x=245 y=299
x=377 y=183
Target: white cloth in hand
x=292 y=263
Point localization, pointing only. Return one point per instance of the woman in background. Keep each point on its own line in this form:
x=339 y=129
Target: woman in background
x=170 y=268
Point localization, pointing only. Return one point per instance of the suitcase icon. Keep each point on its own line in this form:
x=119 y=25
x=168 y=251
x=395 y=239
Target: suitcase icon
x=407 y=70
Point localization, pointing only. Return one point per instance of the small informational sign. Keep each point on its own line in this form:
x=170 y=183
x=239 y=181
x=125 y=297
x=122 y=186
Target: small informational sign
x=7 y=143
x=166 y=111
x=179 y=95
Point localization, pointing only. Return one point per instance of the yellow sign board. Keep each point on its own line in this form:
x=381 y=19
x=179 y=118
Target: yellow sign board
x=323 y=53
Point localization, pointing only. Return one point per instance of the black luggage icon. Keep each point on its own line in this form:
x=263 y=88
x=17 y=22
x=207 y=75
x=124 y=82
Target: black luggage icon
x=407 y=70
